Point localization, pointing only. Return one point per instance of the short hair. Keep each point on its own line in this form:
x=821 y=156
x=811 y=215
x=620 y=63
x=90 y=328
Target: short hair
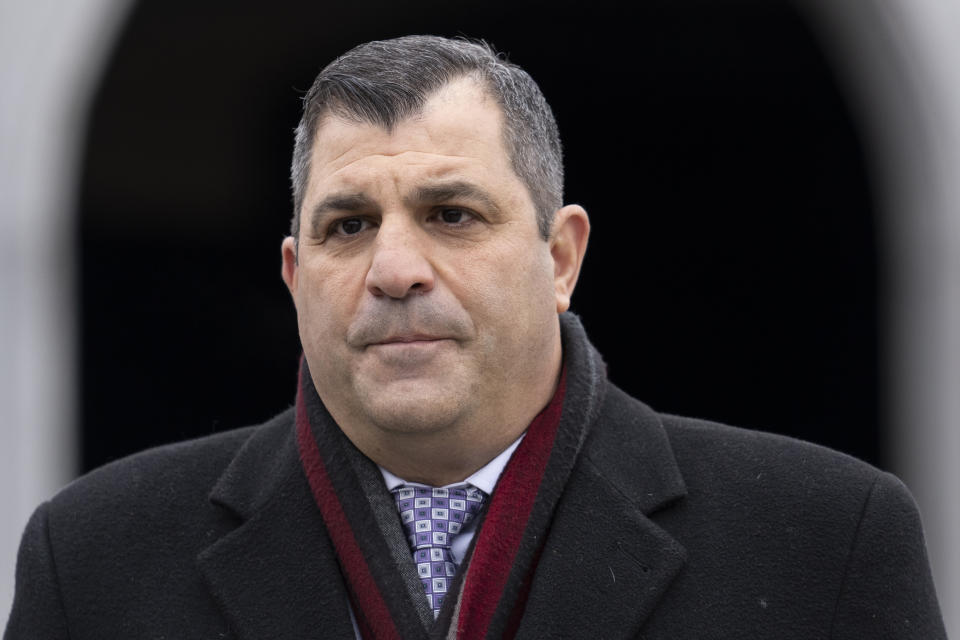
x=386 y=81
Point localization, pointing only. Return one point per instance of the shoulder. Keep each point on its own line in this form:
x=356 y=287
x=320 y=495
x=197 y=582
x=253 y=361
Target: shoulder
x=773 y=477
x=162 y=484
x=753 y=472
x=760 y=514
x=126 y=536
x=806 y=515
x=715 y=452
x=771 y=484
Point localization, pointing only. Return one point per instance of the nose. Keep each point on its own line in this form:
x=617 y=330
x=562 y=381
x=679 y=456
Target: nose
x=400 y=266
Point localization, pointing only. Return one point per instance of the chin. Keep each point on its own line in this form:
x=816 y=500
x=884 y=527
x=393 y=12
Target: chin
x=415 y=413
x=429 y=402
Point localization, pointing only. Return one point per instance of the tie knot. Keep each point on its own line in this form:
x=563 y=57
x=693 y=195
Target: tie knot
x=432 y=517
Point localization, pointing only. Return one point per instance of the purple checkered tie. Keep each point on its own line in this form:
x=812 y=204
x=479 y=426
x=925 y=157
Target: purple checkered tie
x=432 y=518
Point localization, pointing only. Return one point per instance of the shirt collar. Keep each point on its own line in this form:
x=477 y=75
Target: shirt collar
x=485 y=478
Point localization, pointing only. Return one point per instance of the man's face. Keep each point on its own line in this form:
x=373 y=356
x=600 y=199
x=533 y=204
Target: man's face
x=425 y=296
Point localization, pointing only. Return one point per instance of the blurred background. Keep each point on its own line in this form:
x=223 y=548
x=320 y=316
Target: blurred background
x=776 y=219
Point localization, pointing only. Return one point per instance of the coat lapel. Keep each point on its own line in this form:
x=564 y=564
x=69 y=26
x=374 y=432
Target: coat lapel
x=605 y=561
x=275 y=575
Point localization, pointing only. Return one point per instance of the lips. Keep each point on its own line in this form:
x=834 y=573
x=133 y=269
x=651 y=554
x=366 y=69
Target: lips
x=408 y=353
x=403 y=339
x=411 y=340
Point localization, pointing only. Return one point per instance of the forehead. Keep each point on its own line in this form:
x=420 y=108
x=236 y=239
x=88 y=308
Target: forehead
x=459 y=132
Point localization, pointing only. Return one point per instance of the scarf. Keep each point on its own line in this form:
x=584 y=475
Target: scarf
x=492 y=584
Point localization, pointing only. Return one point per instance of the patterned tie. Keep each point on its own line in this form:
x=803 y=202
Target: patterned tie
x=432 y=518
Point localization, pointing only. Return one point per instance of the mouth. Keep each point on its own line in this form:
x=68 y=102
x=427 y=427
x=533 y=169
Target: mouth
x=411 y=339
x=409 y=352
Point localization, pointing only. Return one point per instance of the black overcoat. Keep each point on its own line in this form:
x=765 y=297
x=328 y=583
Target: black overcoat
x=668 y=528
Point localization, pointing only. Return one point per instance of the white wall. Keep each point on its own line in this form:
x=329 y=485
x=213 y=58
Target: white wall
x=51 y=54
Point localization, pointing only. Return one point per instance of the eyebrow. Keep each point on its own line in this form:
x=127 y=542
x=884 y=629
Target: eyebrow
x=454 y=190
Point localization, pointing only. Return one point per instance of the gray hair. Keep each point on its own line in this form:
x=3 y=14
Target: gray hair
x=386 y=81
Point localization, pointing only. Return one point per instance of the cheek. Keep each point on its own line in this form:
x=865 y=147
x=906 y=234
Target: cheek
x=326 y=299
x=510 y=285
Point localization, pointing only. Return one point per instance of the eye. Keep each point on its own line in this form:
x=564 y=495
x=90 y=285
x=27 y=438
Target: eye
x=350 y=226
x=454 y=216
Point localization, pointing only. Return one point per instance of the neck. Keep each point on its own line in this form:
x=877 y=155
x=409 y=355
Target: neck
x=410 y=461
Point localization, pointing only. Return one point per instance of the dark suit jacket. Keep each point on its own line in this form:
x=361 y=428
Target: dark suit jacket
x=668 y=528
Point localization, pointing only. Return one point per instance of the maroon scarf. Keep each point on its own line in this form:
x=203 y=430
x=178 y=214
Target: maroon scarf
x=492 y=587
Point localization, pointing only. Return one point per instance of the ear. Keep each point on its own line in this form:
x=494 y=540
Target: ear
x=288 y=271
x=568 y=244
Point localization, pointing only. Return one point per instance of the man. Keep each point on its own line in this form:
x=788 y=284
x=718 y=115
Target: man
x=456 y=464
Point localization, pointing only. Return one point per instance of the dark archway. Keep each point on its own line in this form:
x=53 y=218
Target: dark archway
x=732 y=272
